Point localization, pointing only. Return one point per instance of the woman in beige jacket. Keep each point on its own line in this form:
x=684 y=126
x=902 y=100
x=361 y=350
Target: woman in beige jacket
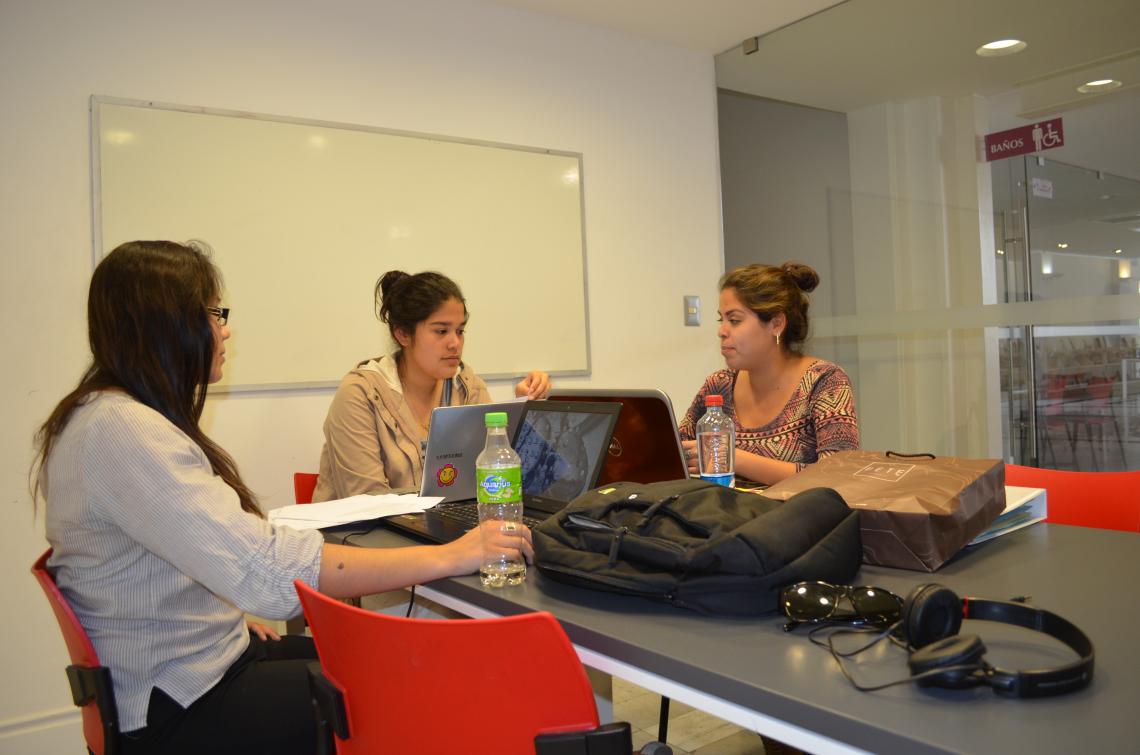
x=379 y=416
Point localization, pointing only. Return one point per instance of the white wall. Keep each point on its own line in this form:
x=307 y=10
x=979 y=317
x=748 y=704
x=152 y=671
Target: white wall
x=643 y=114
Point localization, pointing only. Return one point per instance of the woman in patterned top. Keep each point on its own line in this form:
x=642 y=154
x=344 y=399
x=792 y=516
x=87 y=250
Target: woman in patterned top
x=789 y=409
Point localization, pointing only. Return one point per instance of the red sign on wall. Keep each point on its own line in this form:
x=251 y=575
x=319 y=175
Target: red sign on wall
x=1025 y=139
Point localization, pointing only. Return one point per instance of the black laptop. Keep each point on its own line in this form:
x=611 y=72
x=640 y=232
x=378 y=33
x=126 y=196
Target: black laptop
x=646 y=446
x=562 y=445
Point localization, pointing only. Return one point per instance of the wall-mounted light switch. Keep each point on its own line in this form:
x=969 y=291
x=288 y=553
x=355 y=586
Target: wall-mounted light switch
x=692 y=310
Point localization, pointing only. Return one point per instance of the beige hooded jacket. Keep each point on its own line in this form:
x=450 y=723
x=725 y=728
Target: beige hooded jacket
x=372 y=441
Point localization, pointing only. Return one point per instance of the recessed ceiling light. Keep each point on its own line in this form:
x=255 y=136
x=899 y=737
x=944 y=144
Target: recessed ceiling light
x=1117 y=251
x=1100 y=85
x=1001 y=47
x=1062 y=245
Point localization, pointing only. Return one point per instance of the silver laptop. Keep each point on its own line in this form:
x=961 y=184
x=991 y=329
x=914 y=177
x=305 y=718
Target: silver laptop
x=456 y=436
x=645 y=446
x=562 y=445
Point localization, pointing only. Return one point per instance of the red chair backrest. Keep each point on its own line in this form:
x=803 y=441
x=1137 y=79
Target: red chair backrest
x=1105 y=500
x=468 y=685
x=79 y=648
x=304 y=483
x=1101 y=389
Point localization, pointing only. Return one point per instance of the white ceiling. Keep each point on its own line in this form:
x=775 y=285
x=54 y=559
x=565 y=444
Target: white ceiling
x=711 y=26
x=845 y=54
x=866 y=52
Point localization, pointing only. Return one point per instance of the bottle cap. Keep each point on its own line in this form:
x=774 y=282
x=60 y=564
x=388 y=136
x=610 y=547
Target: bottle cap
x=495 y=419
x=714 y=399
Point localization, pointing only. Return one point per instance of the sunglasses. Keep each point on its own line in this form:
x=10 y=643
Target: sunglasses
x=818 y=602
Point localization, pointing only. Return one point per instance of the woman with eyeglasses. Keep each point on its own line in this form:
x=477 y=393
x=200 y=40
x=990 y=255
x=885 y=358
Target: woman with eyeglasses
x=789 y=409
x=158 y=544
x=378 y=421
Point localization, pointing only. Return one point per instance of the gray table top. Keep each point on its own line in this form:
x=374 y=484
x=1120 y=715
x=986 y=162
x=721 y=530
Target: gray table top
x=1088 y=576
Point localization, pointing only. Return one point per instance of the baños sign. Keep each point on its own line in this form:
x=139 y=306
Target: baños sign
x=1025 y=139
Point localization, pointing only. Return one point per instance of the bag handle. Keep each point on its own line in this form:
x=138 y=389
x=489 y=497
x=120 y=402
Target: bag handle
x=652 y=509
x=575 y=521
x=579 y=521
x=662 y=507
x=899 y=455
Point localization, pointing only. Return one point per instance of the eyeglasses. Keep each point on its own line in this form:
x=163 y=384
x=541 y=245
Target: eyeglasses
x=221 y=314
x=816 y=602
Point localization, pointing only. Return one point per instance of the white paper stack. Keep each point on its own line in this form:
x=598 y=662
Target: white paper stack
x=357 y=508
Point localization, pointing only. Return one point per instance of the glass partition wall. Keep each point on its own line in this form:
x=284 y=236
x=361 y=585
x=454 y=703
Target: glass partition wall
x=1069 y=388
x=982 y=309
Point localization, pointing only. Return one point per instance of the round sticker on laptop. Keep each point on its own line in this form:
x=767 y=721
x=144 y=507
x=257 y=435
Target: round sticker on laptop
x=446 y=475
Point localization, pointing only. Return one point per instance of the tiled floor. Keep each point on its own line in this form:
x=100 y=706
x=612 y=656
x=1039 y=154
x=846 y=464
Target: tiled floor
x=691 y=732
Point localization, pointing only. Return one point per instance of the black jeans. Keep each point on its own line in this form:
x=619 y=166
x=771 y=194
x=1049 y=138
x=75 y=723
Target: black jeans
x=261 y=704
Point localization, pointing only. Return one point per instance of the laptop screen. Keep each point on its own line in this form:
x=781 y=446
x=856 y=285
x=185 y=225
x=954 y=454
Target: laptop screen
x=645 y=447
x=562 y=447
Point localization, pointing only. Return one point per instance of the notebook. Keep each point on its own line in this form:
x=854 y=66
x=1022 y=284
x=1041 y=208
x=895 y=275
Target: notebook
x=562 y=445
x=455 y=437
x=645 y=446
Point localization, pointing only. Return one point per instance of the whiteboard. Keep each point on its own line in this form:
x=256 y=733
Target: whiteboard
x=305 y=216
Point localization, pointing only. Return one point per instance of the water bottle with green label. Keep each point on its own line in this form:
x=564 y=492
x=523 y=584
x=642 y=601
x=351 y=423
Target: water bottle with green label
x=498 y=490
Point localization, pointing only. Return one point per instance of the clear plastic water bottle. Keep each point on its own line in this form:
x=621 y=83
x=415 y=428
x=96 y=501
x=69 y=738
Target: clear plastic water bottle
x=716 y=443
x=498 y=490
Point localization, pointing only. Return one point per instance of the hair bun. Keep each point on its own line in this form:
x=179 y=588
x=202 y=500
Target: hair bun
x=390 y=279
x=805 y=278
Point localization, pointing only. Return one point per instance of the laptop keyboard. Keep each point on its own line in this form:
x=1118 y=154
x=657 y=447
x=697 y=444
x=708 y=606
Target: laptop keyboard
x=468 y=515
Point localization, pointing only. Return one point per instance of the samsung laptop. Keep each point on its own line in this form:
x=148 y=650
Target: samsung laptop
x=456 y=436
x=645 y=446
x=562 y=446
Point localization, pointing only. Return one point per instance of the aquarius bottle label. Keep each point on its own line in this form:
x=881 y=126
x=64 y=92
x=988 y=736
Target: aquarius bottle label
x=498 y=484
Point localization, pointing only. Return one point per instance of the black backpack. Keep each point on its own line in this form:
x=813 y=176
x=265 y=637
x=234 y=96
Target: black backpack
x=699 y=545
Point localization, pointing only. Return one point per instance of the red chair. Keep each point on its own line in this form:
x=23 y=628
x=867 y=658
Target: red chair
x=1054 y=416
x=304 y=483
x=1105 y=500
x=390 y=684
x=90 y=681
x=1099 y=414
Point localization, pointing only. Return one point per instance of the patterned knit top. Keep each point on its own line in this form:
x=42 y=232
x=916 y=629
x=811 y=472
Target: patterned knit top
x=819 y=418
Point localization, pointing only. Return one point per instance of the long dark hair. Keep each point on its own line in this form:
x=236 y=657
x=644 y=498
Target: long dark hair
x=404 y=301
x=151 y=337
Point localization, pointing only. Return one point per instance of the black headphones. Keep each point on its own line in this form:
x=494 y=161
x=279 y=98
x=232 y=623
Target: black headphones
x=939 y=656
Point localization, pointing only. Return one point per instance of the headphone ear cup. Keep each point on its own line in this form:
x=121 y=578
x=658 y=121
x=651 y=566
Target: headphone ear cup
x=959 y=650
x=930 y=613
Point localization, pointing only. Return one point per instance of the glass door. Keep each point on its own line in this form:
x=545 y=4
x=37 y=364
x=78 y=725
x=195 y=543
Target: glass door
x=1068 y=239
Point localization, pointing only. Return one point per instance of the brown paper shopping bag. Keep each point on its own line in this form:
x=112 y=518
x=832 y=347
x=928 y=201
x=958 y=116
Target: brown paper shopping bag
x=915 y=510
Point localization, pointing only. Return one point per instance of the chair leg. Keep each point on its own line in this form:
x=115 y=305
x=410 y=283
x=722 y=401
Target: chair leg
x=1049 y=445
x=1073 y=433
x=1120 y=442
x=1092 y=448
x=663 y=721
